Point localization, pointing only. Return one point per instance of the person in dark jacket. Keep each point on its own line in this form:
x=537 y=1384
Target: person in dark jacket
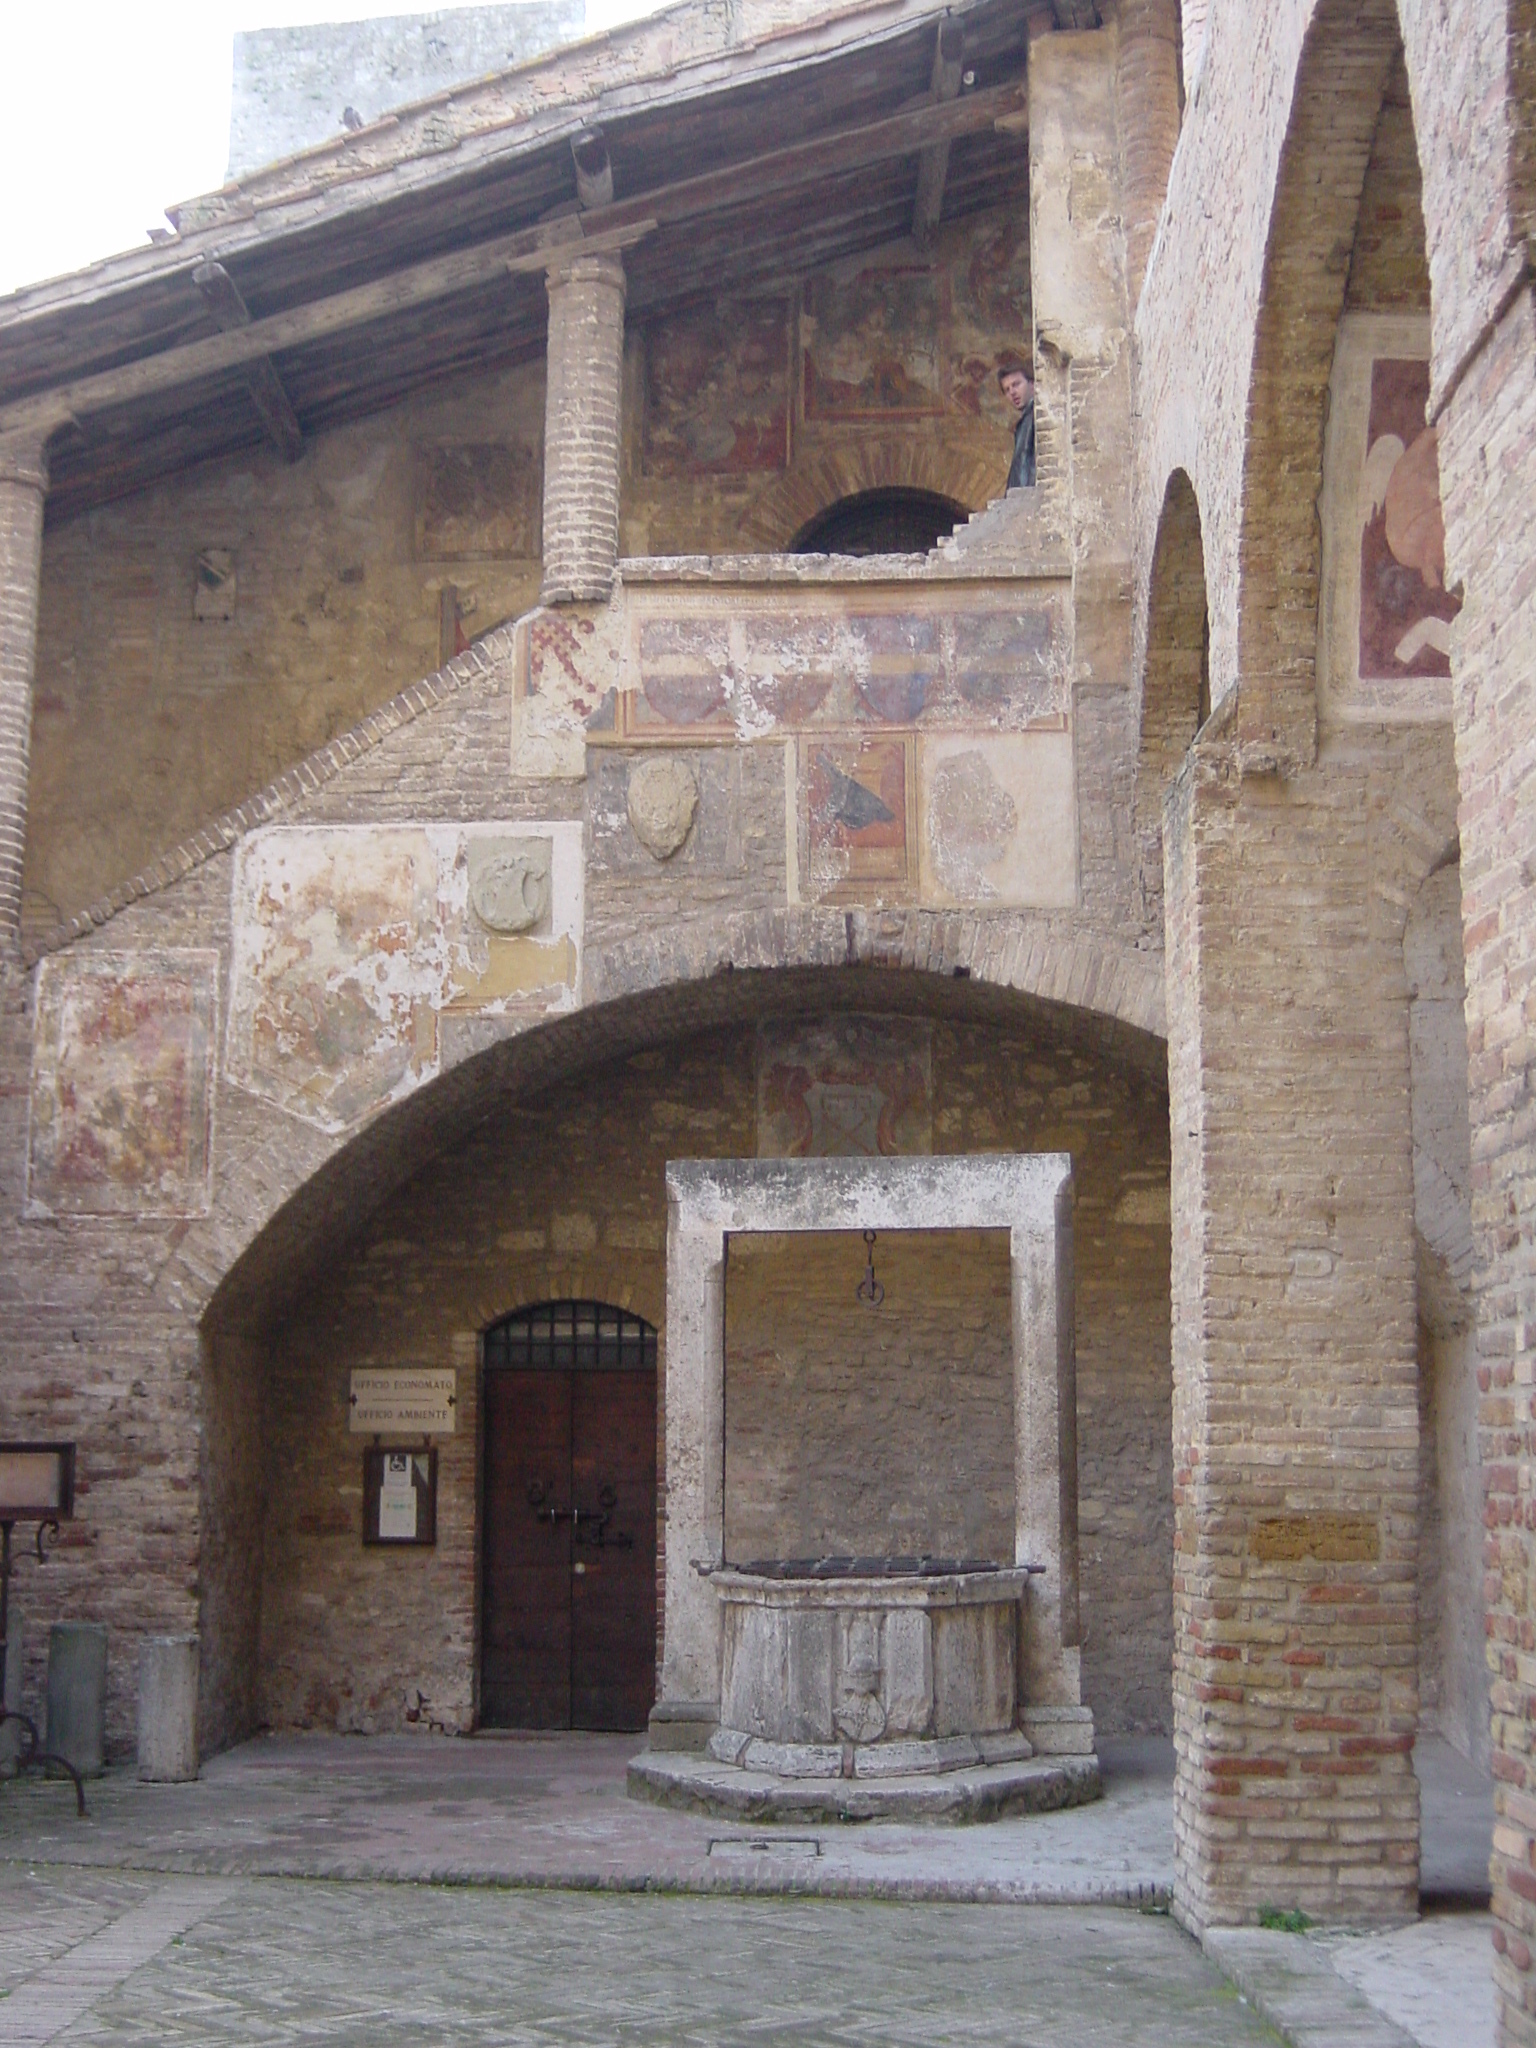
x=1018 y=381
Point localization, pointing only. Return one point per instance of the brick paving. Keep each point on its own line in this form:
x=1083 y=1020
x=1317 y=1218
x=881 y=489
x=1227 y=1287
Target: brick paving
x=274 y=1961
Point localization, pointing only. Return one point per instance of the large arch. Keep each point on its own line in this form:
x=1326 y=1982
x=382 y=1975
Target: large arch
x=1337 y=95
x=365 y=1226
x=282 y=1195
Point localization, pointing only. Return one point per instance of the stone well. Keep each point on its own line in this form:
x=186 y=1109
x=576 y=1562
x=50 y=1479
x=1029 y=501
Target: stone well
x=896 y=1672
x=865 y=1675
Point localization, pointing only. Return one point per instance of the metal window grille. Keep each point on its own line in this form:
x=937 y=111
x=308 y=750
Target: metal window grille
x=561 y=1336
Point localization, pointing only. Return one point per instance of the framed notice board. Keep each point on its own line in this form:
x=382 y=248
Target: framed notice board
x=399 y=1496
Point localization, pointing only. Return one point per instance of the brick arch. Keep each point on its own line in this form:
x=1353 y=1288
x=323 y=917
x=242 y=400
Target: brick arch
x=1338 y=89
x=873 y=462
x=1175 y=673
x=285 y=1201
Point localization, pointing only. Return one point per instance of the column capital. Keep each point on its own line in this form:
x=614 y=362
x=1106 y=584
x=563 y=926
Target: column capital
x=603 y=267
x=24 y=456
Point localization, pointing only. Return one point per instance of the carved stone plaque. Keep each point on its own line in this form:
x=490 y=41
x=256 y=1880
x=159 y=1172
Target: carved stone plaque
x=509 y=884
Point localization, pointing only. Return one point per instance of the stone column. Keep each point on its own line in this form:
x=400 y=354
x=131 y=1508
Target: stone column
x=1147 y=88
x=23 y=487
x=581 y=427
x=1295 y=1416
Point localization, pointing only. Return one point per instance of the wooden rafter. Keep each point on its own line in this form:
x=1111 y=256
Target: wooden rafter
x=222 y=297
x=933 y=165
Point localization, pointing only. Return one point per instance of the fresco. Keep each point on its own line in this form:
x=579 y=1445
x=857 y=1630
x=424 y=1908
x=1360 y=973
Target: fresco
x=850 y=1087
x=1387 y=616
x=855 y=817
x=992 y=313
x=1405 y=608
x=875 y=345
x=717 y=391
x=350 y=945
x=122 y=1085
x=743 y=668
x=477 y=501
x=999 y=819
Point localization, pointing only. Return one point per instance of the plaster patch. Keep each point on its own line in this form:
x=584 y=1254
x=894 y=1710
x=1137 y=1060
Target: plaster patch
x=350 y=943
x=999 y=819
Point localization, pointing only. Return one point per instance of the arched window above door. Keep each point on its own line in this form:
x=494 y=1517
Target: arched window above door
x=570 y=1336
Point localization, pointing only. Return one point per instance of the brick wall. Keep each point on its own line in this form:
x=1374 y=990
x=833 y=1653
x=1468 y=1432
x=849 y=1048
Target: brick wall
x=1486 y=439
x=562 y=1195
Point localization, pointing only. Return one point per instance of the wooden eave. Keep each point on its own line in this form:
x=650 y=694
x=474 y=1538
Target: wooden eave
x=745 y=169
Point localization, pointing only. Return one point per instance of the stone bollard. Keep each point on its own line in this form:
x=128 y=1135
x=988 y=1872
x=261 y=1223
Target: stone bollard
x=77 y=1695
x=168 y=1709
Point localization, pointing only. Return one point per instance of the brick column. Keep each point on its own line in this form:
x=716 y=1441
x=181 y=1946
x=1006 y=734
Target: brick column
x=1147 y=88
x=581 y=427
x=1487 y=439
x=23 y=487
x=1295 y=1421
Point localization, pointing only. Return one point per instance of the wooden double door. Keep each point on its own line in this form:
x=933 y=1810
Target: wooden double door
x=568 y=1629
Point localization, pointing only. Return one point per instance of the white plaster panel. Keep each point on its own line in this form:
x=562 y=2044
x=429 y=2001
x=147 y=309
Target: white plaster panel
x=350 y=943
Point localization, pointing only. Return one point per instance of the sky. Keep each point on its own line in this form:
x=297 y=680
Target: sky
x=112 y=110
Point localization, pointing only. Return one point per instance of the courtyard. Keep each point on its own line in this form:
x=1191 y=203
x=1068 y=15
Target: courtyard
x=410 y=1889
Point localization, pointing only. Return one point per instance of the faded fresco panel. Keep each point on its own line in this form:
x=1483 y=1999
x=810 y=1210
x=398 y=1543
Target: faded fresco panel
x=350 y=943
x=999 y=820
x=992 y=315
x=847 y=1088
x=855 y=835
x=717 y=391
x=122 y=1085
x=744 y=668
x=1386 y=616
x=876 y=344
x=477 y=501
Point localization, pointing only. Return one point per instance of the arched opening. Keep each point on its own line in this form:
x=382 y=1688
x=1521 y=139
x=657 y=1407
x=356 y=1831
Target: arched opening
x=1176 y=678
x=568 y=1518
x=546 y=1188
x=892 y=521
x=1316 y=217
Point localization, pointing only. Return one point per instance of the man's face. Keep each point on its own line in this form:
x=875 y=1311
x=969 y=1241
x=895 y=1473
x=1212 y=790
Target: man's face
x=1017 y=389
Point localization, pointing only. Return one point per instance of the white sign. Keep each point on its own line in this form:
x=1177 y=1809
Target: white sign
x=397 y=1499
x=420 y=1402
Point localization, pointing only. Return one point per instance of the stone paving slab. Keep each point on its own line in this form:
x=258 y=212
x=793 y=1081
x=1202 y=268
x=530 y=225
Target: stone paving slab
x=1433 y=1979
x=541 y=1812
x=1290 y=1980
x=280 y=1962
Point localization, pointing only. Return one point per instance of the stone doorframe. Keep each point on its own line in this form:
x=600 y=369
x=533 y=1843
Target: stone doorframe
x=1027 y=1194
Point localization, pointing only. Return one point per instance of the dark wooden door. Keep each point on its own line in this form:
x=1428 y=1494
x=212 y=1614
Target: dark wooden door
x=569 y=1615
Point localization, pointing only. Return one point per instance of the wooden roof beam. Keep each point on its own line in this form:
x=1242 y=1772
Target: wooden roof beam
x=594 y=173
x=221 y=295
x=530 y=250
x=933 y=164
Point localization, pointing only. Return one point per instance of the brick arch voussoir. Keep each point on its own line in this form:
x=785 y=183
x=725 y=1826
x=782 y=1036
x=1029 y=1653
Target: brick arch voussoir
x=1337 y=93
x=875 y=462
x=284 y=1199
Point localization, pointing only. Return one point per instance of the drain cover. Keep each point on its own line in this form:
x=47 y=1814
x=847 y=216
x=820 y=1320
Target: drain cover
x=765 y=1845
